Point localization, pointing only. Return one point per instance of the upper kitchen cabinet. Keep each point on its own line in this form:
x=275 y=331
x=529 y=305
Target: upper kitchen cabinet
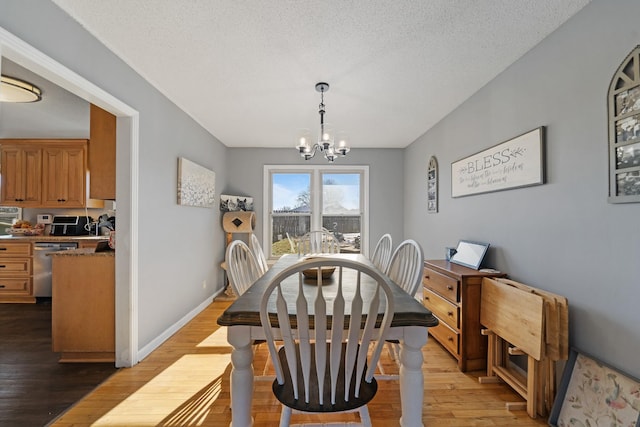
x=64 y=176
x=44 y=173
x=102 y=154
x=21 y=169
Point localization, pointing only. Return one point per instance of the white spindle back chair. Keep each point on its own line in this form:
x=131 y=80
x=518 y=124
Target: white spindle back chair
x=382 y=253
x=242 y=267
x=258 y=253
x=318 y=242
x=405 y=269
x=319 y=367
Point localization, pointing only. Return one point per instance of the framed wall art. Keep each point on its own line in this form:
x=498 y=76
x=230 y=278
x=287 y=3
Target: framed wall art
x=196 y=184
x=624 y=131
x=230 y=203
x=594 y=394
x=518 y=162
x=432 y=185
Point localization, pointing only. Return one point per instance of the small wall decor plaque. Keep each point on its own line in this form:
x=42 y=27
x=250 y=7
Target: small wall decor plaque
x=230 y=203
x=518 y=162
x=432 y=185
x=196 y=184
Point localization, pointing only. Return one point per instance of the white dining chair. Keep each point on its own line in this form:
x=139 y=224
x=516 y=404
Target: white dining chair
x=405 y=269
x=319 y=366
x=258 y=253
x=382 y=253
x=318 y=242
x=243 y=271
x=242 y=267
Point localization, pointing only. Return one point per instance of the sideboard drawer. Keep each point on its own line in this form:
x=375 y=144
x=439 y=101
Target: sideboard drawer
x=15 y=249
x=447 y=337
x=445 y=286
x=442 y=309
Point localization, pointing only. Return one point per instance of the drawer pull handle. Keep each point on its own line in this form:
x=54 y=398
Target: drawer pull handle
x=450 y=339
x=3 y=249
x=2 y=286
x=449 y=287
x=450 y=313
x=2 y=266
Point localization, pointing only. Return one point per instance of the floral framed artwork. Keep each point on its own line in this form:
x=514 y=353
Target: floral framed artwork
x=196 y=184
x=592 y=393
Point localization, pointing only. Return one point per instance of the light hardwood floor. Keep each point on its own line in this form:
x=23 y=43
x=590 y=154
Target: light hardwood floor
x=185 y=382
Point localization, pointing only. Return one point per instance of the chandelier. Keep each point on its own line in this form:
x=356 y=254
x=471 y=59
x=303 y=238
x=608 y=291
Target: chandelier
x=325 y=142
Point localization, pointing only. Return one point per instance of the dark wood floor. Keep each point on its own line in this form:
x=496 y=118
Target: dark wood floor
x=34 y=387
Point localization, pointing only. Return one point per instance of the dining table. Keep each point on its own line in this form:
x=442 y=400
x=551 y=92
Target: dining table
x=409 y=327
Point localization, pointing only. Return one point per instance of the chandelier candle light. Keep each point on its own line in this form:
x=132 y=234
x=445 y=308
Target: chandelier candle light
x=325 y=142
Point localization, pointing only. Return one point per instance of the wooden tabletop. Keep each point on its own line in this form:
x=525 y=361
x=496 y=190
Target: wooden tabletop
x=246 y=309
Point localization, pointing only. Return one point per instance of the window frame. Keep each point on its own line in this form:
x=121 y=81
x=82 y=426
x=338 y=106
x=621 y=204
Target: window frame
x=316 y=172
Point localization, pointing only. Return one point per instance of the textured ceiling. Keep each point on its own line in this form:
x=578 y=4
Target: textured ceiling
x=246 y=69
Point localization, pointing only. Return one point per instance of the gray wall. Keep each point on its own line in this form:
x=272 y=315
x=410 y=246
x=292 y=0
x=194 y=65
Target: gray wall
x=386 y=201
x=562 y=236
x=179 y=247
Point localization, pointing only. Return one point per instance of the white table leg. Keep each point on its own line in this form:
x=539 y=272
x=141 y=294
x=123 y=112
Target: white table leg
x=241 y=375
x=411 y=377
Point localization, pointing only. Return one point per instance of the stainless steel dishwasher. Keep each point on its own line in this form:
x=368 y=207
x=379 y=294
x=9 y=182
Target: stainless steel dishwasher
x=42 y=265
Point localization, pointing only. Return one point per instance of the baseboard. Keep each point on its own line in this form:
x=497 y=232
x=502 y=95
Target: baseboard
x=155 y=343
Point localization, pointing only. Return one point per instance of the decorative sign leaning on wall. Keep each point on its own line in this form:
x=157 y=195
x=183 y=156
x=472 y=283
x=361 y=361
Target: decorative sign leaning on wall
x=196 y=184
x=518 y=162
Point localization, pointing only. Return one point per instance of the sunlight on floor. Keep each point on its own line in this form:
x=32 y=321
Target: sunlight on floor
x=182 y=394
x=216 y=339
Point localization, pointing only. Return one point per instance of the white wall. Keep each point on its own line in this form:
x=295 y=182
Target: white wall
x=562 y=236
x=179 y=247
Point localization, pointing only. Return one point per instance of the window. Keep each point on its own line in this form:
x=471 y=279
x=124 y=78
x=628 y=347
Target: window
x=8 y=217
x=299 y=200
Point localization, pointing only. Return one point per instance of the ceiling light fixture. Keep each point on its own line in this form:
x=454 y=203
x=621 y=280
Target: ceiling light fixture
x=325 y=142
x=15 y=90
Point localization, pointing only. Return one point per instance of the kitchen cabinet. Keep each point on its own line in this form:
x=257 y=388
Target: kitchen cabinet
x=44 y=173
x=64 y=176
x=102 y=154
x=452 y=293
x=21 y=168
x=83 y=306
x=16 y=281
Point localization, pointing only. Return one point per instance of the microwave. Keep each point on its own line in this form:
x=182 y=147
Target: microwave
x=70 y=225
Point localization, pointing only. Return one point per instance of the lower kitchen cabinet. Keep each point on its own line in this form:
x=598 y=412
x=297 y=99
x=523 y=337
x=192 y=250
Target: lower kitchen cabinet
x=83 y=306
x=16 y=282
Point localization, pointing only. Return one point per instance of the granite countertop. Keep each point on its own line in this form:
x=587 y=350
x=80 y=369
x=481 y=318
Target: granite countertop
x=49 y=238
x=82 y=252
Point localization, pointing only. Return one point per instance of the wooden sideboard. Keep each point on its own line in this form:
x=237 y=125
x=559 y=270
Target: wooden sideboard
x=452 y=293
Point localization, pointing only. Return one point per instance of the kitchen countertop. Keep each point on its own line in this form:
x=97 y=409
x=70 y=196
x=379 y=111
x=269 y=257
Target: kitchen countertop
x=49 y=238
x=82 y=252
